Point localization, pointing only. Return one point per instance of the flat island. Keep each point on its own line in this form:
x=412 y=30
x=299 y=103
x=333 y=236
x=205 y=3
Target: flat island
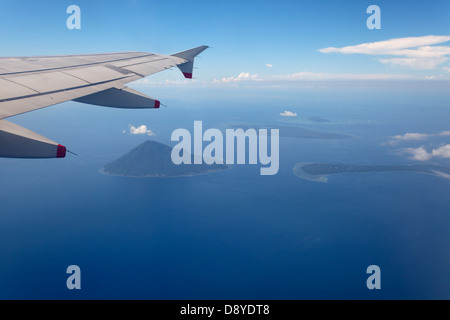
x=152 y=159
x=319 y=119
x=319 y=172
x=296 y=132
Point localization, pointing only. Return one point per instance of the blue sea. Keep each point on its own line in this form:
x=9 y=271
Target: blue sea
x=233 y=234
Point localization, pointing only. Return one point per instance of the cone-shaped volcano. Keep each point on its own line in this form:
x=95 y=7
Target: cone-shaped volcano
x=153 y=159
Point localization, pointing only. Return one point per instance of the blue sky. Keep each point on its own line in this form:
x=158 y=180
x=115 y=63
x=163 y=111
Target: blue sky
x=259 y=40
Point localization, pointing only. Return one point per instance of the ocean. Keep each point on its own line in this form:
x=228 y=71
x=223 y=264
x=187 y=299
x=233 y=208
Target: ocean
x=233 y=234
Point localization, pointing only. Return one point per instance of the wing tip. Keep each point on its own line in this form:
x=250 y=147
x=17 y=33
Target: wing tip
x=61 y=151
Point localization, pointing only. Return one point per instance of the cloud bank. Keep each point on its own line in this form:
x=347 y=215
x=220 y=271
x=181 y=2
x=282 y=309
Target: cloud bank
x=411 y=52
x=395 y=140
x=243 y=76
x=246 y=77
x=421 y=153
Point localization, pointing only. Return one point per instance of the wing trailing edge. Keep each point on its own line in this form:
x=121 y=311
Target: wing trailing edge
x=18 y=142
x=125 y=98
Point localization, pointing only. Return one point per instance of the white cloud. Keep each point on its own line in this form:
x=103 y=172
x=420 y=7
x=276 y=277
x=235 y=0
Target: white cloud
x=422 y=155
x=392 y=46
x=412 y=52
x=140 y=130
x=442 y=152
x=412 y=136
x=288 y=114
x=418 y=153
x=243 y=76
x=416 y=137
x=269 y=65
x=446 y=69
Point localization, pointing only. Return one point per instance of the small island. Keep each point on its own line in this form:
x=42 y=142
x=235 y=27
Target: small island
x=296 y=132
x=319 y=172
x=319 y=119
x=152 y=159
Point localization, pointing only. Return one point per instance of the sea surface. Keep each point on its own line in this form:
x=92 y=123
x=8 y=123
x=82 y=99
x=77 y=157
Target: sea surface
x=233 y=234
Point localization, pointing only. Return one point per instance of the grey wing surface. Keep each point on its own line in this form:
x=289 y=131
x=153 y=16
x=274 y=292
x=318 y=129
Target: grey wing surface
x=31 y=83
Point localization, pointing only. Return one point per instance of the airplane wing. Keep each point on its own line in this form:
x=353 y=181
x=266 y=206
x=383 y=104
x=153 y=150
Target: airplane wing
x=30 y=83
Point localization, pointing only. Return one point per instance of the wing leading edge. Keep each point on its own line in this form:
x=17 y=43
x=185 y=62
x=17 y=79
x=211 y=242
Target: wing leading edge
x=31 y=83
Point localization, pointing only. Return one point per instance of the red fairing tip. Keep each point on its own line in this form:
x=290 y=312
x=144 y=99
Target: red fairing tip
x=61 y=151
x=157 y=104
x=187 y=75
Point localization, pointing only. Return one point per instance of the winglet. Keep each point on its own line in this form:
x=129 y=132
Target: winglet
x=189 y=55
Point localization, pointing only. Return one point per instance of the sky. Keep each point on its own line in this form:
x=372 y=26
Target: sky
x=256 y=42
